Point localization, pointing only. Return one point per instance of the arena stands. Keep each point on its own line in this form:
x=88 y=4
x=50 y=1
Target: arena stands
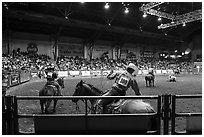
x=23 y=61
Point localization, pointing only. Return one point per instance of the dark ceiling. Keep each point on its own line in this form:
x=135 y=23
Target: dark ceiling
x=90 y=21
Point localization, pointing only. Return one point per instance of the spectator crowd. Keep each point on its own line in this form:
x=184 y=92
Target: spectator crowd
x=77 y=63
x=24 y=61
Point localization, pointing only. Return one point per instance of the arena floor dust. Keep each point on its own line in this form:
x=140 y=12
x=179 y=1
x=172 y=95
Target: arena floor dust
x=185 y=85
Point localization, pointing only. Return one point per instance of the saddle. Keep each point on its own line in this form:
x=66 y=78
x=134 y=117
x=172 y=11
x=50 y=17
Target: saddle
x=53 y=86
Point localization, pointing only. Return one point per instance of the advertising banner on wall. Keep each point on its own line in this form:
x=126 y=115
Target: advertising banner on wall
x=124 y=53
x=14 y=79
x=99 y=51
x=148 y=54
x=70 y=50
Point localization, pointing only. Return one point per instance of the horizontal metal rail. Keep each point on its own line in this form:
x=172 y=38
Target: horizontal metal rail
x=84 y=97
x=82 y=115
x=188 y=96
x=187 y=114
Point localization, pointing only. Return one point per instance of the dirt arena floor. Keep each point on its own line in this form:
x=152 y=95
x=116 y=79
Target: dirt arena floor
x=185 y=85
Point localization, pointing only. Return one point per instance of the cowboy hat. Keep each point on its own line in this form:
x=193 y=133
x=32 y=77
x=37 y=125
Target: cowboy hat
x=134 y=67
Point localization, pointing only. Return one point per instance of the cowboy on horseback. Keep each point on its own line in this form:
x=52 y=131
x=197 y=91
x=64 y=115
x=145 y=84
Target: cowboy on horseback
x=151 y=72
x=149 y=78
x=122 y=83
x=51 y=76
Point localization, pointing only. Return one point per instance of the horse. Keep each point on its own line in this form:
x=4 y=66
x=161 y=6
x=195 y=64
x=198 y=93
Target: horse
x=121 y=106
x=149 y=78
x=50 y=90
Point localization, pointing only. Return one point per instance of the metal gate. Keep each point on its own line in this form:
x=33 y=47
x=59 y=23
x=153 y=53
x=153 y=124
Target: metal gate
x=164 y=114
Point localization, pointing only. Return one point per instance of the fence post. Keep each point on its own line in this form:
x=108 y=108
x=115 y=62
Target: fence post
x=159 y=113
x=173 y=114
x=4 y=124
x=15 y=116
x=166 y=113
x=9 y=115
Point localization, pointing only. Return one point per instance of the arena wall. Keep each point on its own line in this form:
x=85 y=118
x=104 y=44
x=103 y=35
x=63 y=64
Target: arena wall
x=21 y=40
x=197 y=47
x=46 y=43
x=194 y=44
x=4 y=42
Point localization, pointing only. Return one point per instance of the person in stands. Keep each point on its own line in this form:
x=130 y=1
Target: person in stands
x=51 y=76
x=122 y=83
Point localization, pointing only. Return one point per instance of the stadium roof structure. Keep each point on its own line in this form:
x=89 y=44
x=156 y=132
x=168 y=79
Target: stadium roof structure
x=92 y=21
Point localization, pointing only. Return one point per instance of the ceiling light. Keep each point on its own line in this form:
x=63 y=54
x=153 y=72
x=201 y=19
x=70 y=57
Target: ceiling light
x=140 y=28
x=6 y=5
x=144 y=15
x=126 y=10
x=66 y=17
x=172 y=22
x=106 y=6
x=184 y=24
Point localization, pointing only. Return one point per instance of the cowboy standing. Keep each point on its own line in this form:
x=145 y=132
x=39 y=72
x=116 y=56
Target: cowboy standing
x=122 y=82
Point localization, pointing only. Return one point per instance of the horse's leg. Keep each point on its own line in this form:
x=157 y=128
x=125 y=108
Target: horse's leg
x=54 y=106
x=153 y=82
x=47 y=104
x=146 y=84
x=42 y=105
x=150 y=83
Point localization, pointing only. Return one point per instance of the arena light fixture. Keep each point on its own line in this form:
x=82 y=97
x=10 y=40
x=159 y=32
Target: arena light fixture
x=184 y=24
x=175 y=19
x=144 y=15
x=66 y=17
x=5 y=5
x=172 y=21
x=126 y=10
x=107 y=5
x=188 y=50
x=184 y=18
x=150 y=5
